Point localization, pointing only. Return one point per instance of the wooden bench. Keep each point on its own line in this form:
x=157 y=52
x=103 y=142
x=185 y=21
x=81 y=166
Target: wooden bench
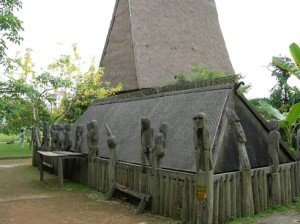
x=145 y=199
x=60 y=156
x=48 y=165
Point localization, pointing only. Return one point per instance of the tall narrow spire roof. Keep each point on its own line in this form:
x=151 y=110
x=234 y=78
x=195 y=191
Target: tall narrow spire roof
x=150 y=41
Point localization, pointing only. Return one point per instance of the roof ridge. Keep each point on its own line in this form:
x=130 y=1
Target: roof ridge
x=169 y=90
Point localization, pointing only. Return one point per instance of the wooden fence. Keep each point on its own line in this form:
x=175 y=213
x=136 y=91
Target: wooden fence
x=177 y=192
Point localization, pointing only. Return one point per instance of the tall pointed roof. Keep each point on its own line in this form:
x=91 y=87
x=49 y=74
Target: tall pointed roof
x=151 y=41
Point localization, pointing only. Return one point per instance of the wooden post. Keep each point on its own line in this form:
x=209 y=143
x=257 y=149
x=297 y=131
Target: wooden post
x=154 y=189
x=205 y=197
x=233 y=196
x=185 y=202
x=228 y=198
x=167 y=195
x=255 y=191
x=162 y=194
x=191 y=198
x=221 y=201
x=216 y=202
x=247 y=197
x=275 y=189
x=41 y=168
x=60 y=173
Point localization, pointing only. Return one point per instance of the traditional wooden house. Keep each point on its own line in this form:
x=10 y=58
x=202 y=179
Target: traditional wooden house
x=176 y=179
x=149 y=42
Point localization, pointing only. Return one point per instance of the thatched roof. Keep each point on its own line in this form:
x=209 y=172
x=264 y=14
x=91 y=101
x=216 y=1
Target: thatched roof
x=177 y=108
x=151 y=41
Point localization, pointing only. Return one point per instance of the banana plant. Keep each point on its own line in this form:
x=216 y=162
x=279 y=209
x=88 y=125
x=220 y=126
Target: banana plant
x=291 y=67
x=288 y=122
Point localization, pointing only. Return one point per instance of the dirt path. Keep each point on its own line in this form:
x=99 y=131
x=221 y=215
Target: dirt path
x=23 y=199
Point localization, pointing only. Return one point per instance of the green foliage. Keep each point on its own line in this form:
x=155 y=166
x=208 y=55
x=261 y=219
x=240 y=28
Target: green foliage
x=295 y=52
x=200 y=73
x=288 y=122
x=10 y=25
x=293 y=68
x=271 y=210
x=85 y=86
x=27 y=93
x=283 y=96
x=287 y=66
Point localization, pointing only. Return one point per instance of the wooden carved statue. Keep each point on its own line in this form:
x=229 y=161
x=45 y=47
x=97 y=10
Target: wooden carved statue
x=79 y=138
x=35 y=138
x=54 y=136
x=67 y=145
x=273 y=145
x=240 y=137
x=112 y=145
x=36 y=145
x=93 y=139
x=46 y=137
x=201 y=143
x=160 y=143
x=147 y=143
x=60 y=137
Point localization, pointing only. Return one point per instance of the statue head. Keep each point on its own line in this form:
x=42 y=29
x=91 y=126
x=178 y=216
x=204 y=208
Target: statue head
x=145 y=123
x=79 y=128
x=164 y=127
x=232 y=117
x=273 y=125
x=199 y=120
x=60 y=127
x=68 y=127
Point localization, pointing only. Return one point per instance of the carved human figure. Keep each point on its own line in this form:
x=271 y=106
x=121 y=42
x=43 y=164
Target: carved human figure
x=35 y=137
x=240 y=137
x=46 y=137
x=79 y=138
x=160 y=143
x=201 y=143
x=273 y=145
x=36 y=145
x=93 y=139
x=60 y=137
x=146 y=142
x=54 y=136
x=67 y=145
x=112 y=145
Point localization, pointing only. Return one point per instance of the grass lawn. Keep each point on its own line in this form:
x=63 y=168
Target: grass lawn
x=8 y=137
x=13 y=151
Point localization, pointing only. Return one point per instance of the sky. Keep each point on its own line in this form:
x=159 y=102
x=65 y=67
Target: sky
x=254 y=31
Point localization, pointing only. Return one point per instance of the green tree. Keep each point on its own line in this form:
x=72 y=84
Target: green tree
x=26 y=94
x=293 y=68
x=25 y=91
x=86 y=86
x=10 y=25
x=283 y=96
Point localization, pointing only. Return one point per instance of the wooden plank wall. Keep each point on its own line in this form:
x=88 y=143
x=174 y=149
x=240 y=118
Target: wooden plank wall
x=177 y=192
x=228 y=195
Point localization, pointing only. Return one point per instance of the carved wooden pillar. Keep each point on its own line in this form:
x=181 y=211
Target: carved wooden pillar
x=273 y=149
x=112 y=164
x=244 y=163
x=204 y=170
